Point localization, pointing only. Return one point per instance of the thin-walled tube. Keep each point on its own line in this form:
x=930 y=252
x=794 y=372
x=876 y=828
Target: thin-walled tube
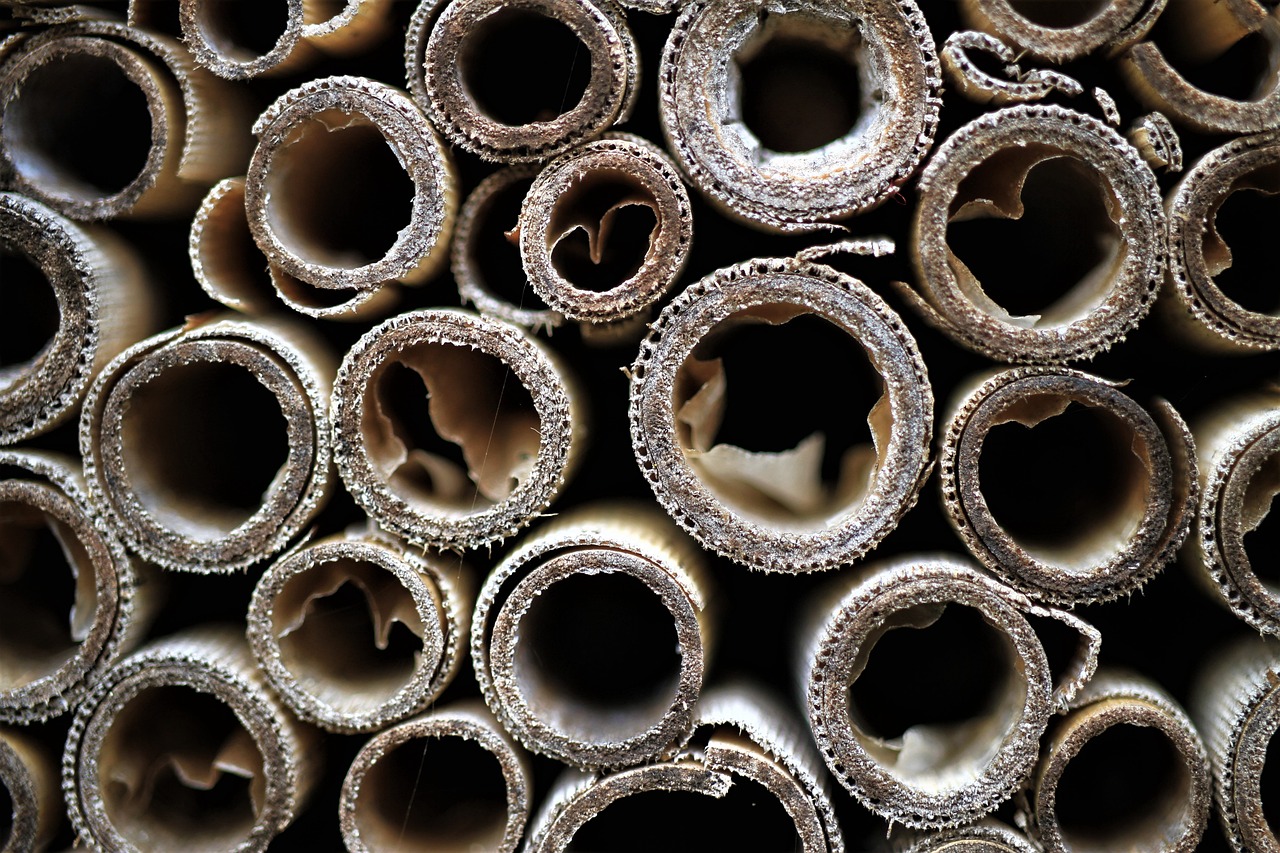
x=183 y=746
x=775 y=510
x=1141 y=480
x=449 y=780
x=611 y=688
x=29 y=778
x=987 y=836
x=72 y=600
x=207 y=448
x=312 y=641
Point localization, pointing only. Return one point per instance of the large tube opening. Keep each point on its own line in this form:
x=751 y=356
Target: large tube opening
x=31 y=316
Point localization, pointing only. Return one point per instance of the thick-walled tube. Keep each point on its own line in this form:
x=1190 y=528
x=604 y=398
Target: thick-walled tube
x=959 y=761
x=1063 y=30
x=183 y=746
x=207 y=448
x=1027 y=163
x=793 y=509
x=591 y=639
x=793 y=156
x=1134 y=471
x=310 y=632
x=494 y=396
x=448 y=780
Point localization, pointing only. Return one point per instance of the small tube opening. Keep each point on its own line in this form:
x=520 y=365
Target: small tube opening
x=203 y=443
x=178 y=770
x=762 y=413
x=31 y=317
x=338 y=194
x=349 y=632
x=434 y=793
x=1239 y=258
x=748 y=817
x=232 y=261
x=1060 y=243
x=1059 y=14
x=554 y=67
x=799 y=80
x=601 y=230
x=48 y=594
x=495 y=256
x=450 y=427
x=942 y=725
x=598 y=656
x=242 y=31
x=1071 y=489
x=1123 y=791
x=79 y=127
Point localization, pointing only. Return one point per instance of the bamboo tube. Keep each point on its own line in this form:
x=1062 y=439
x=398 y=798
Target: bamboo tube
x=941 y=775
x=987 y=836
x=72 y=601
x=980 y=172
x=772 y=510
x=467 y=788
x=313 y=645
x=797 y=158
x=1239 y=441
x=331 y=157
x=1236 y=707
x=231 y=39
x=1015 y=87
x=207 y=448
x=1063 y=30
x=596 y=189
x=345 y=27
x=1151 y=744
x=481 y=107
x=62 y=88
x=613 y=690
x=486 y=256
x=1199 y=309
x=1192 y=34
x=80 y=297
x=1140 y=491
x=744 y=741
x=182 y=746
x=494 y=393
x=29 y=780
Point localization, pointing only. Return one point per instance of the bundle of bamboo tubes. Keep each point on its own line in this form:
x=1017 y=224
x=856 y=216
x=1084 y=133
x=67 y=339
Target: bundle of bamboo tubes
x=611 y=425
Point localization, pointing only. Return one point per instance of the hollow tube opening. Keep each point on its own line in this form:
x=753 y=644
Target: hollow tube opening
x=803 y=469
x=940 y=728
x=1068 y=490
x=242 y=31
x=48 y=594
x=449 y=426
x=78 y=126
x=1259 y=527
x=203 y=443
x=1059 y=14
x=1245 y=71
x=7 y=816
x=349 y=632
x=1238 y=257
x=554 y=67
x=1269 y=784
x=1123 y=791
x=338 y=194
x=602 y=230
x=748 y=817
x=598 y=656
x=495 y=256
x=434 y=793
x=800 y=84
x=31 y=318
x=178 y=770
x=1060 y=241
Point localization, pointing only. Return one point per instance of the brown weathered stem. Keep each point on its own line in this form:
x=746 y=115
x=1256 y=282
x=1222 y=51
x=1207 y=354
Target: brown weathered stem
x=183 y=746
x=29 y=779
x=1137 y=474
x=987 y=836
x=1062 y=30
x=207 y=448
x=618 y=687
x=449 y=780
x=777 y=510
x=309 y=630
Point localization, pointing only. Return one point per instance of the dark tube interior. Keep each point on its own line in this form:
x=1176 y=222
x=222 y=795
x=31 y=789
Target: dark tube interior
x=31 y=318
x=1250 y=280
x=1059 y=14
x=620 y=213
x=495 y=257
x=242 y=31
